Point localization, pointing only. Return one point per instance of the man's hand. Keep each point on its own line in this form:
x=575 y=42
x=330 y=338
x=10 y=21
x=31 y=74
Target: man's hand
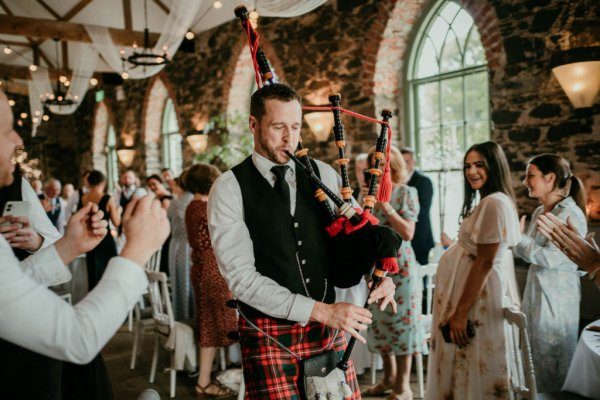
x=85 y=230
x=385 y=292
x=146 y=227
x=20 y=234
x=344 y=316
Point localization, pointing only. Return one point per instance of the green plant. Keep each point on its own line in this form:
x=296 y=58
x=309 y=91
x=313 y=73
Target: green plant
x=226 y=150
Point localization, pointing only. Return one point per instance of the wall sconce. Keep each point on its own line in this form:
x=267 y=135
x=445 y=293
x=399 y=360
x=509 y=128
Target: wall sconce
x=320 y=123
x=198 y=140
x=578 y=72
x=126 y=156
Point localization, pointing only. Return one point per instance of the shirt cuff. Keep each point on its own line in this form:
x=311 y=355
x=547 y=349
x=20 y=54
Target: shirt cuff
x=301 y=309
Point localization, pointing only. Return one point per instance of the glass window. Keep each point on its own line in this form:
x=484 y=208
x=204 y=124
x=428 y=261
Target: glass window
x=112 y=168
x=449 y=104
x=171 y=140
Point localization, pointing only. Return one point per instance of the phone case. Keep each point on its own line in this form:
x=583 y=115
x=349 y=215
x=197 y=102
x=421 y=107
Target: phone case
x=446 y=331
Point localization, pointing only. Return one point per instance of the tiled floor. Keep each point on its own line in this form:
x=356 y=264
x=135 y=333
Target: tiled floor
x=127 y=384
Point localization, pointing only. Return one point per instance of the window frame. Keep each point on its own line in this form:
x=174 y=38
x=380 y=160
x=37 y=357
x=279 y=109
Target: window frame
x=166 y=136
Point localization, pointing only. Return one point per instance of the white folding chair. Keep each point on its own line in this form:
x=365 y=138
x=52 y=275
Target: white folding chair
x=520 y=362
x=140 y=316
x=178 y=334
x=426 y=273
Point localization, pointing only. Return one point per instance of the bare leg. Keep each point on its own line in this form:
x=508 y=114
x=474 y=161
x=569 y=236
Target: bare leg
x=207 y=357
x=402 y=383
x=389 y=377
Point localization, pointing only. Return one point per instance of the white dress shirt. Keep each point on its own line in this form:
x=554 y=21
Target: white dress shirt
x=233 y=246
x=37 y=215
x=33 y=317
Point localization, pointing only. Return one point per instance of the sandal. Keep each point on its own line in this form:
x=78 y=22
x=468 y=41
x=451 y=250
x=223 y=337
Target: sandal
x=221 y=391
x=378 y=389
x=400 y=396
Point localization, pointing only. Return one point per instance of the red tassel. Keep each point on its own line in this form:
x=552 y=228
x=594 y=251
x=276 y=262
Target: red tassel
x=385 y=187
x=390 y=265
x=336 y=227
x=366 y=217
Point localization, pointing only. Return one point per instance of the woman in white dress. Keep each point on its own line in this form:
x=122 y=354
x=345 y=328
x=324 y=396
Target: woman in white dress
x=475 y=280
x=553 y=290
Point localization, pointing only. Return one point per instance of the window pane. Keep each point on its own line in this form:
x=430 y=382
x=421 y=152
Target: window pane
x=428 y=63
x=452 y=146
x=461 y=25
x=437 y=33
x=176 y=157
x=476 y=89
x=477 y=132
x=475 y=54
x=451 y=56
x=449 y=11
x=446 y=203
x=429 y=100
x=429 y=139
x=452 y=100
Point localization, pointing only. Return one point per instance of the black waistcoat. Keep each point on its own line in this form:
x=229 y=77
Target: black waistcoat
x=288 y=249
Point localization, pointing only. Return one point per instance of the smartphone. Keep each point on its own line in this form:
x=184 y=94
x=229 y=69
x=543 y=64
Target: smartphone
x=16 y=209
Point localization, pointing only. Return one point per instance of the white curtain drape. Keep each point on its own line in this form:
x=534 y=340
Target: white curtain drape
x=40 y=86
x=283 y=8
x=181 y=17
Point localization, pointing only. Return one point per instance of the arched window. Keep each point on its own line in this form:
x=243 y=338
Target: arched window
x=448 y=104
x=112 y=167
x=171 y=140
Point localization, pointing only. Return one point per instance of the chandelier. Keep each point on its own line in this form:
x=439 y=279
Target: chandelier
x=146 y=57
x=60 y=97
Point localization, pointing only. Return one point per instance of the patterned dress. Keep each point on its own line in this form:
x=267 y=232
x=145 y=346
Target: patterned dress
x=401 y=333
x=479 y=370
x=553 y=316
x=215 y=320
x=180 y=259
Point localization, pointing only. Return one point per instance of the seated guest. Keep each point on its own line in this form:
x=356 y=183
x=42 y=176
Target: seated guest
x=128 y=190
x=553 y=317
x=54 y=205
x=73 y=200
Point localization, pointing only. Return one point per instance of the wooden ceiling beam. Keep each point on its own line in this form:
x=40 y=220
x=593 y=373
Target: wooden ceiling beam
x=15 y=88
x=162 y=6
x=49 y=9
x=75 y=10
x=127 y=14
x=67 y=31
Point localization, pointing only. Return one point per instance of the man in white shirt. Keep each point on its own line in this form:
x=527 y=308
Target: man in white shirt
x=268 y=238
x=35 y=318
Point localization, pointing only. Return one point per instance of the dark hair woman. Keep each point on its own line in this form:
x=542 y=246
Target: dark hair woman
x=156 y=184
x=215 y=320
x=552 y=292
x=475 y=280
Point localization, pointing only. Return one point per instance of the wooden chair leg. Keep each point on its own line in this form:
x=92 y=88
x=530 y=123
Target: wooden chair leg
x=134 y=351
x=173 y=373
x=420 y=381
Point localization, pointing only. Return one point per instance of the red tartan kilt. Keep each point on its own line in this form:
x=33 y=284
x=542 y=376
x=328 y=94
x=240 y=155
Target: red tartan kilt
x=270 y=372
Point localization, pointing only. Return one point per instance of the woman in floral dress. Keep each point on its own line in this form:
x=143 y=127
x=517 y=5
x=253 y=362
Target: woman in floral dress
x=553 y=316
x=398 y=336
x=474 y=281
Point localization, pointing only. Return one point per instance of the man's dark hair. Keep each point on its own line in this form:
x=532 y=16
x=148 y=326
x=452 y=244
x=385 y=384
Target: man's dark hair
x=277 y=91
x=95 y=177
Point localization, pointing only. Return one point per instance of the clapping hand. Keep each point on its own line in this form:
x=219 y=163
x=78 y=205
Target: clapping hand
x=86 y=228
x=582 y=251
x=19 y=233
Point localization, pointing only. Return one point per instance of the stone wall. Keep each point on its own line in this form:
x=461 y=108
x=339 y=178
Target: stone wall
x=358 y=48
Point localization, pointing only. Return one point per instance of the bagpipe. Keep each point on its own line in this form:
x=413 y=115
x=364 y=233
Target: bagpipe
x=360 y=244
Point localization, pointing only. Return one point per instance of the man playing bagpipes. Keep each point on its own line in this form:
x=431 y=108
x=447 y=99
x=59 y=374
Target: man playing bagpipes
x=267 y=230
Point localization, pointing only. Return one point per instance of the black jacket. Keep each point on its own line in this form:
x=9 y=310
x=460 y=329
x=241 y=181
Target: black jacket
x=422 y=242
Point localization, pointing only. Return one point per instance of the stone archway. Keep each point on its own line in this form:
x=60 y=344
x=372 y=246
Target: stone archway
x=390 y=41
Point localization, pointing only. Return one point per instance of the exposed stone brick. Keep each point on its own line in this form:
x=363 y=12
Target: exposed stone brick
x=526 y=134
x=567 y=129
x=505 y=117
x=545 y=111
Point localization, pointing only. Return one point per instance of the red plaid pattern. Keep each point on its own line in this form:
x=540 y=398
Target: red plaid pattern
x=270 y=372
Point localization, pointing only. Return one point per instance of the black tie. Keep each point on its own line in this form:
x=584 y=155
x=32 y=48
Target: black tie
x=281 y=186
